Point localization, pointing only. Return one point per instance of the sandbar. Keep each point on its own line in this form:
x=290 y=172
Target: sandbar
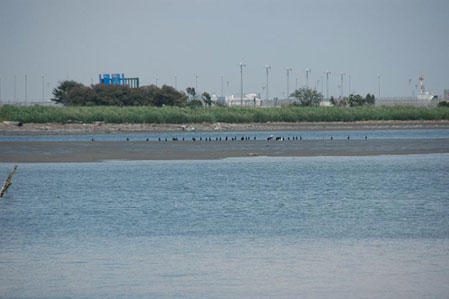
x=94 y=151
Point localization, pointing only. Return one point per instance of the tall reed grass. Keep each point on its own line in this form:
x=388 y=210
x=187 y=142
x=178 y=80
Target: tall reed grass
x=178 y=115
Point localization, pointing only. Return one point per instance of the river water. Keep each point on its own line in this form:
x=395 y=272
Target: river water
x=308 y=227
x=260 y=135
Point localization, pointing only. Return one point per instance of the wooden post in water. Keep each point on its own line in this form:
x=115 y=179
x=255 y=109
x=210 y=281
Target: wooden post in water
x=8 y=181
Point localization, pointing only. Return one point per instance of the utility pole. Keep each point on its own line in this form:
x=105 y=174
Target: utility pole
x=307 y=77
x=267 y=67
x=296 y=83
x=176 y=82
x=222 y=86
x=327 y=84
x=43 y=90
x=289 y=69
x=242 y=65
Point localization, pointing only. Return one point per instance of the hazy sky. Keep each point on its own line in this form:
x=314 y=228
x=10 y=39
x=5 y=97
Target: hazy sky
x=161 y=39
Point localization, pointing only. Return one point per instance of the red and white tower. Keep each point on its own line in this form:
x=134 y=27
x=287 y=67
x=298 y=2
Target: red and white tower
x=421 y=83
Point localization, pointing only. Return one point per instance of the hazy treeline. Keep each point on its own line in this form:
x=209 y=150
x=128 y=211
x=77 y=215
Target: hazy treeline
x=179 y=115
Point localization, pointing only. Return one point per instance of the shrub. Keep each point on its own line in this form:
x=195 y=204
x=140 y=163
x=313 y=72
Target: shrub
x=443 y=104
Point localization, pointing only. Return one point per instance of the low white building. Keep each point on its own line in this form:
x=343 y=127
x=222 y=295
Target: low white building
x=249 y=100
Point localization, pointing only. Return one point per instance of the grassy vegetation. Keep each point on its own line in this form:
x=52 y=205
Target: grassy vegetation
x=146 y=114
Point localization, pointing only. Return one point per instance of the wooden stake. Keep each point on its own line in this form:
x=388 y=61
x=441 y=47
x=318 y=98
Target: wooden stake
x=8 y=181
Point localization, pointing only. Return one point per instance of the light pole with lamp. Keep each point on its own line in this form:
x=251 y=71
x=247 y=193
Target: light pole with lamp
x=341 y=84
x=289 y=69
x=267 y=68
x=307 y=76
x=242 y=65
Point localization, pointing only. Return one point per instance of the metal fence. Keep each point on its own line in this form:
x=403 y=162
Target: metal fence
x=385 y=101
x=29 y=103
x=404 y=101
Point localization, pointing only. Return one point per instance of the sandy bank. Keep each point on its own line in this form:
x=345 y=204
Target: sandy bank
x=11 y=128
x=85 y=151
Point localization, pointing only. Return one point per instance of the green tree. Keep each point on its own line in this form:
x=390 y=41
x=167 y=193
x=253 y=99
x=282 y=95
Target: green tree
x=206 y=99
x=191 y=92
x=81 y=96
x=307 y=96
x=443 y=104
x=354 y=100
x=169 y=96
x=112 y=95
x=61 y=92
x=370 y=99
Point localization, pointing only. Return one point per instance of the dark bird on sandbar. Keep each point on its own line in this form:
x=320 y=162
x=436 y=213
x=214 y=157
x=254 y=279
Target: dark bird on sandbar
x=347 y=138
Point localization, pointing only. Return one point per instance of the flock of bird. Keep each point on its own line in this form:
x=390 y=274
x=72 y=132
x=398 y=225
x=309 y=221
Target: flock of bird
x=234 y=138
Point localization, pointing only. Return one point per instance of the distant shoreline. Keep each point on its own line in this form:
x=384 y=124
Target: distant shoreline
x=13 y=128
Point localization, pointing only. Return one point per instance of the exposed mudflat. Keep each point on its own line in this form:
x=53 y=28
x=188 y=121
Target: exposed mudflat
x=12 y=128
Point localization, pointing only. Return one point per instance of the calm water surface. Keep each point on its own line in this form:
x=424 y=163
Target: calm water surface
x=260 y=135
x=314 y=227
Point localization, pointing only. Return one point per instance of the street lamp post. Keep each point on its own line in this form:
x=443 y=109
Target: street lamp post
x=341 y=84
x=327 y=84
x=349 y=86
x=267 y=68
x=196 y=84
x=307 y=76
x=409 y=85
x=378 y=86
x=322 y=83
x=289 y=69
x=26 y=91
x=15 y=87
x=242 y=65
